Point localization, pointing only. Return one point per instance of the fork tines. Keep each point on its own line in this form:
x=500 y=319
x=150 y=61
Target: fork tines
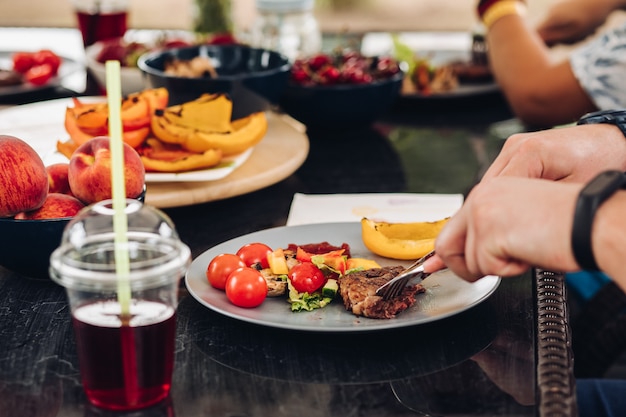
x=394 y=287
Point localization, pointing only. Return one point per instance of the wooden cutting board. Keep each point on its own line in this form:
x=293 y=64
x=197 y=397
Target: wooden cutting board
x=281 y=152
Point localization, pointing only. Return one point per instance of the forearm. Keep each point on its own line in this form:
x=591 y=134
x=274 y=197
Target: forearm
x=541 y=91
x=517 y=55
x=608 y=238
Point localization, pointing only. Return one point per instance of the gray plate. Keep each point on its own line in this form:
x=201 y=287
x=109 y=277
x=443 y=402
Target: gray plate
x=446 y=294
x=465 y=89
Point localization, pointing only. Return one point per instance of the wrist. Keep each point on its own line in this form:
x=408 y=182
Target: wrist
x=590 y=199
x=611 y=117
x=608 y=243
x=490 y=11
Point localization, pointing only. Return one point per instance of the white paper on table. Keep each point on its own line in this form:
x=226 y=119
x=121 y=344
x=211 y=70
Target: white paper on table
x=393 y=208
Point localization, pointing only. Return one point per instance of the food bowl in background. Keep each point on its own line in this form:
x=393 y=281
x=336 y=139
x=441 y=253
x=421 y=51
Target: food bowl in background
x=254 y=78
x=132 y=79
x=341 y=90
x=340 y=106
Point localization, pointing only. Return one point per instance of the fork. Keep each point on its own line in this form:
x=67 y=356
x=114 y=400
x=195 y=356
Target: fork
x=394 y=287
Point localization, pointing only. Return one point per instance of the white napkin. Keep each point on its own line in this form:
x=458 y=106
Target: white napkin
x=393 y=208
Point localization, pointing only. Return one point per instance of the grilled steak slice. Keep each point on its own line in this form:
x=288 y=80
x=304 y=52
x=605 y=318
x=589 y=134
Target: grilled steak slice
x=358 y=291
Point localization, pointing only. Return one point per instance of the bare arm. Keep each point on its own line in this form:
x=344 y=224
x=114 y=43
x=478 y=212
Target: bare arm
x=540 y=92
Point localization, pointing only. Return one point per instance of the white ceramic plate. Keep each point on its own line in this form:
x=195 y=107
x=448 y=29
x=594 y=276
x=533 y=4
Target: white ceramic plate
x=68 y=67
x=446 y=294
x=41 y=125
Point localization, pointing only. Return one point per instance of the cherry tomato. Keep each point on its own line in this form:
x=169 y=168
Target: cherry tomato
x=46 y=56
x=22 y=61
x=220 y=268
x=246 y=287
x=39 y=74
x=253 y=253
x=306 y=277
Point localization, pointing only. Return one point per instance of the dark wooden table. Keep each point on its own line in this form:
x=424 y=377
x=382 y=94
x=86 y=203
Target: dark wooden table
x=508 y=356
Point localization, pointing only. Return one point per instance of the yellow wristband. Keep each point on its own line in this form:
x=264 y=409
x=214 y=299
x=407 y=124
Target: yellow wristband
x=501 y=9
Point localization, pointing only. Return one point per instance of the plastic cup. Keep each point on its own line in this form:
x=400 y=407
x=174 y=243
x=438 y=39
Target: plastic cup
x=99 y=20
x=126 y=360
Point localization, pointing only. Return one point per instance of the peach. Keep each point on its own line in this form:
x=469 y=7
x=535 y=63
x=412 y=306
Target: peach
x=57 y=178
x=89 y=171
x=56 y=206
x=23 y=177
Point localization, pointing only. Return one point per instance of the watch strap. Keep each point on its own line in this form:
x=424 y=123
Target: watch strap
x=590 y=198
x=613 y=117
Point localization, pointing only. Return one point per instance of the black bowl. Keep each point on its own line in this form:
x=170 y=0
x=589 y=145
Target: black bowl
x=26 y=245
x=341 y=105
x=253 y=77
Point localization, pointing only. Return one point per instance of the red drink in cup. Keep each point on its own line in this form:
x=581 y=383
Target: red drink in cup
x=125 y=329
x=125 y=367
x=101 y=19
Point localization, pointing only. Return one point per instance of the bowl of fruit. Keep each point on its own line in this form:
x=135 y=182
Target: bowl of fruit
x=254 y=78
x=341 y=89
x=41 y=199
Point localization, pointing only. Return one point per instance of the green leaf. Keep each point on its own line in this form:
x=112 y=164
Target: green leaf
x=305 y=301
x=403 y=52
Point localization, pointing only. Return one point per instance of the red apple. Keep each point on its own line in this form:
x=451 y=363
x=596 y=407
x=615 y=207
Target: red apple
x=23 y=177
x=56 y=206
x=89 y=172
x=57 y=178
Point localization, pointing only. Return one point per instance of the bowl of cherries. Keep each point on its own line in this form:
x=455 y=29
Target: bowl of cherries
x=341 y=89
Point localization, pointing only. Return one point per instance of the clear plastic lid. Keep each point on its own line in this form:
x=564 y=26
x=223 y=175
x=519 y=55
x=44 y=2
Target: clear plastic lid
x=85 y=258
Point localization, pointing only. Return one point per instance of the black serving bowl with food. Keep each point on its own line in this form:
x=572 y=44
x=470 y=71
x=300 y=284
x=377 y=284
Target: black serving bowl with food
x=26 y=245
x=341 y=102
x=254 y=78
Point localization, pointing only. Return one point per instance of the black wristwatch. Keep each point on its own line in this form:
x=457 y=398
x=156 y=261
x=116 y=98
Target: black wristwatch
x=611 y=117
x=598 y=190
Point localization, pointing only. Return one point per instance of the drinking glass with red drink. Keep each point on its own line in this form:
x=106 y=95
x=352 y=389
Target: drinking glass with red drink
x=101 y=19
x=125 y=348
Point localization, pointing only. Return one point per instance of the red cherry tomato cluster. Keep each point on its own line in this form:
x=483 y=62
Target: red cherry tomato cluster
x=36 y=67
x=238 y=274
x=345 y=67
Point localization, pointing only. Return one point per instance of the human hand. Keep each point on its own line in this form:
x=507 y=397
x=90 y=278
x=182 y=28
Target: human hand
x=481 y=239
x=571 y=154
x=570 y=21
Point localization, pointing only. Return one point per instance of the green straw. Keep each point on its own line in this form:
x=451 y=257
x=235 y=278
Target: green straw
x=120 y=222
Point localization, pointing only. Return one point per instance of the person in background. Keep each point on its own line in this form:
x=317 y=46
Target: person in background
x=542 y=91
x=527 y=211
